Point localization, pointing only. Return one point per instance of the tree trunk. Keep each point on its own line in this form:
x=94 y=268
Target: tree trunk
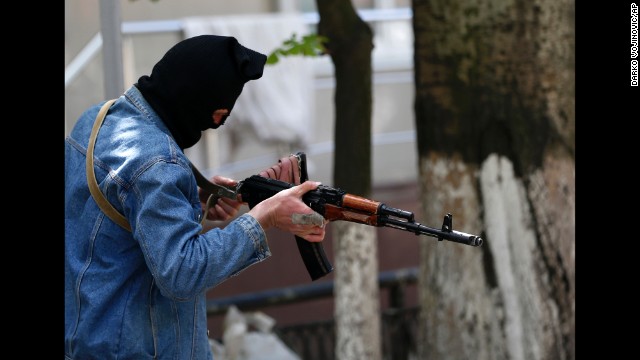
x=495 y=120
x=356 y=263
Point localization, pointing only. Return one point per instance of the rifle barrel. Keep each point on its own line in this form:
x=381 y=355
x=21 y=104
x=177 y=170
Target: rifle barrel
x=419 y=229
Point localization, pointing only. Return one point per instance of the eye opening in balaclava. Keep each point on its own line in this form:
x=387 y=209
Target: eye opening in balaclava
x=196 y=77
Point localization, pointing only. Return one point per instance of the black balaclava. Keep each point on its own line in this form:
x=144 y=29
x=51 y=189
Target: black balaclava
x=196 y=77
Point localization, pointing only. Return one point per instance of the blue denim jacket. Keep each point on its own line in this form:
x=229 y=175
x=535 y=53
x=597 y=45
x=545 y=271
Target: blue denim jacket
x=142 y=295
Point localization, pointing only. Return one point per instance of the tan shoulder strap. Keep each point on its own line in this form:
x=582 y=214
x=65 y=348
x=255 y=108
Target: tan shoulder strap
x=102 y=202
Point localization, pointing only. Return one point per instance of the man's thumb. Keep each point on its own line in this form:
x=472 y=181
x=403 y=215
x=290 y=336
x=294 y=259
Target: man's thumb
x=308 y=186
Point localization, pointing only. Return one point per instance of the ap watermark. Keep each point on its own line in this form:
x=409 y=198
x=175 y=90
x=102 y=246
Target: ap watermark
x=634 y=44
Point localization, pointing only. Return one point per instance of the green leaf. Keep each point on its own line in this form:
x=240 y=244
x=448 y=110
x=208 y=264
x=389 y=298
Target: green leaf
x=309 y=45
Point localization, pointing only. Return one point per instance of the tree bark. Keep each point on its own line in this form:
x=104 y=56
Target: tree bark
x=495 y=120
x=356 y=263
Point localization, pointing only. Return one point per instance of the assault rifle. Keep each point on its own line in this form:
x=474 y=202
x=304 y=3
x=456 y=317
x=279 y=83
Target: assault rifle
x=335 y=204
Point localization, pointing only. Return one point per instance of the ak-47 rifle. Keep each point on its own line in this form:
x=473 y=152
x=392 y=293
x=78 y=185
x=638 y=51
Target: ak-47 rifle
x=335 y=204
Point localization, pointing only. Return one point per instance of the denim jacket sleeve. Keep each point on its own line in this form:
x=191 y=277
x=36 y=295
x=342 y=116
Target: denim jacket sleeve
x=165 y=218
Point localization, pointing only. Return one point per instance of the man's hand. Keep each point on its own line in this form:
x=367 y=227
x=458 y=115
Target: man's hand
x=285 y=209
x=224 y=209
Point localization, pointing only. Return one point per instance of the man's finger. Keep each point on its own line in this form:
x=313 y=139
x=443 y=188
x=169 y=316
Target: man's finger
x=222 y=180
